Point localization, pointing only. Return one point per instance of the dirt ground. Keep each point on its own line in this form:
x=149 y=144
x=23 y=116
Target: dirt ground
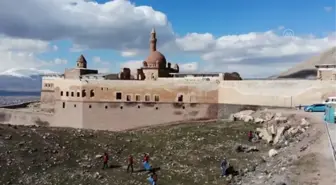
x=310 y=160
x=315 y=165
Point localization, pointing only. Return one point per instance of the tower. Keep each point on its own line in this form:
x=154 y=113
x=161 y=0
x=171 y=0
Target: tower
x=81 y=62
x=153 y=40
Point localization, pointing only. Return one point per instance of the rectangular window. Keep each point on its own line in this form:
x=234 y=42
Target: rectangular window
x=137 y=97
x=147 y=98
x=67 y=93
x=156 y=98
x=118 y=96
x=78 y=94
x=128 y=98
x=72 y=94
x=63 y=105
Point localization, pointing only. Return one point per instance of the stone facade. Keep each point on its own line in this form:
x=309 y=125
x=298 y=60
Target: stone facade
x=158 y=93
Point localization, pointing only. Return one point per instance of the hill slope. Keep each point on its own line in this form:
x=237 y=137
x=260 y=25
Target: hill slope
x=307 y=69
x=186 y=154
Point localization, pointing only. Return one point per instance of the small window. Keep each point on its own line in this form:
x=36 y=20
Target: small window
x=137 y=97
x=138 y=106
x=121 y=107
x=118 y=96
x=90 y=106
x=83 y=93
x=102 y=88
x=72 y=94
x=63 y=105
x=156 y=98
x=92 y=93
x=75 y=105
x=61 y=93
x=78 y=94
x=106 y=106
x=128 y=98
x=67 y=93
x=180 y=98
x=147 y=98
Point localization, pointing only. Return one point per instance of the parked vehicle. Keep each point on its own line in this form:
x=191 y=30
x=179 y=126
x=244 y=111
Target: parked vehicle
x=330 y=100
x=315 y=108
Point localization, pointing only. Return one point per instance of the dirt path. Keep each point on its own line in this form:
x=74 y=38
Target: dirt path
x=315 y=165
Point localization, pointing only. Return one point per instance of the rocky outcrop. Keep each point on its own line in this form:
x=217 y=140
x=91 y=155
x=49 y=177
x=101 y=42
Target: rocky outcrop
x=232 y=76
x=276 y=128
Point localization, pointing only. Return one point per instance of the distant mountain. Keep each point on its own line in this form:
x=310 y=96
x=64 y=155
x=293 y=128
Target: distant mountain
x=22 y=80
x=306 y=69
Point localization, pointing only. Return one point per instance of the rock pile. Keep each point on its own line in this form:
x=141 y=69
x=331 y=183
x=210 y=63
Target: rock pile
x=276 y=128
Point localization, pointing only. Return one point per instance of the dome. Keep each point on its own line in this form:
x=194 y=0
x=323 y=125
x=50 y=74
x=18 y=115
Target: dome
x=156 y=58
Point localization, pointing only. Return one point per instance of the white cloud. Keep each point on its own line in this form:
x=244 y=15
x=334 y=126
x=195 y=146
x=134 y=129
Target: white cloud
x=55 y=48
x=196 y=42
x=132 y=64
x=117 y=24
x=328 y=8
x=78 y=48
x=189 y=67
x=254 y=48
x=122 y=26
x=22 y=53
x=129 y=53
x=97 y=60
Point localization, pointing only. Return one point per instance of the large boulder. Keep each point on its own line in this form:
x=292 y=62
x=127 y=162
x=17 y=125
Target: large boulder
x=245 y=115
x=265 y=135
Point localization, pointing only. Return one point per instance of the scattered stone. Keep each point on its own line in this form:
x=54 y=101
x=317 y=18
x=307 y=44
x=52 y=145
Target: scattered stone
x=272 y=153
x=9 y=137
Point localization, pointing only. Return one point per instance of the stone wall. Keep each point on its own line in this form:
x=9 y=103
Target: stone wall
x=20 y=117
x=283 y=93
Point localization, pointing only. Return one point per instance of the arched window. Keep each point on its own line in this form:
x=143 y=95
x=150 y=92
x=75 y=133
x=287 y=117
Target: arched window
x=92 y=93
x=83 y=93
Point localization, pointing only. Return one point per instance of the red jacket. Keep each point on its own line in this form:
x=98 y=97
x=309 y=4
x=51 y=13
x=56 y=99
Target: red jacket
x=130 y=160
x=106 y=158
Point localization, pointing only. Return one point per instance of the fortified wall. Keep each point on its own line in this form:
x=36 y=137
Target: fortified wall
x=158 y=93
x=282 y=93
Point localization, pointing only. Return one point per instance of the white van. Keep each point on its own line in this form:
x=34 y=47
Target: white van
x=330 y=100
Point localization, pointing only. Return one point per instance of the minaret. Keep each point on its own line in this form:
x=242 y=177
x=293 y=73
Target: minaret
x=152 y=46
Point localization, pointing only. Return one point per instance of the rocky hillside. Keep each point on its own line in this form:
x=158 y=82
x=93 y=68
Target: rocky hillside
x=307 y=69
x=185 y=154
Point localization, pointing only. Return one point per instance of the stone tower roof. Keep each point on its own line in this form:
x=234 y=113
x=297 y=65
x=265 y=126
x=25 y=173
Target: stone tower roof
x=81 y=62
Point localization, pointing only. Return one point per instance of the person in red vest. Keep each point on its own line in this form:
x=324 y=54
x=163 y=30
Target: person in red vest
x=250 y=136
x=105 y=159
x=146 y=158
x=130 y=163
x=145 y=162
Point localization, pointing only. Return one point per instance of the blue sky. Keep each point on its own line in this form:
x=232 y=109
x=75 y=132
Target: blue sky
x=218 y=18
